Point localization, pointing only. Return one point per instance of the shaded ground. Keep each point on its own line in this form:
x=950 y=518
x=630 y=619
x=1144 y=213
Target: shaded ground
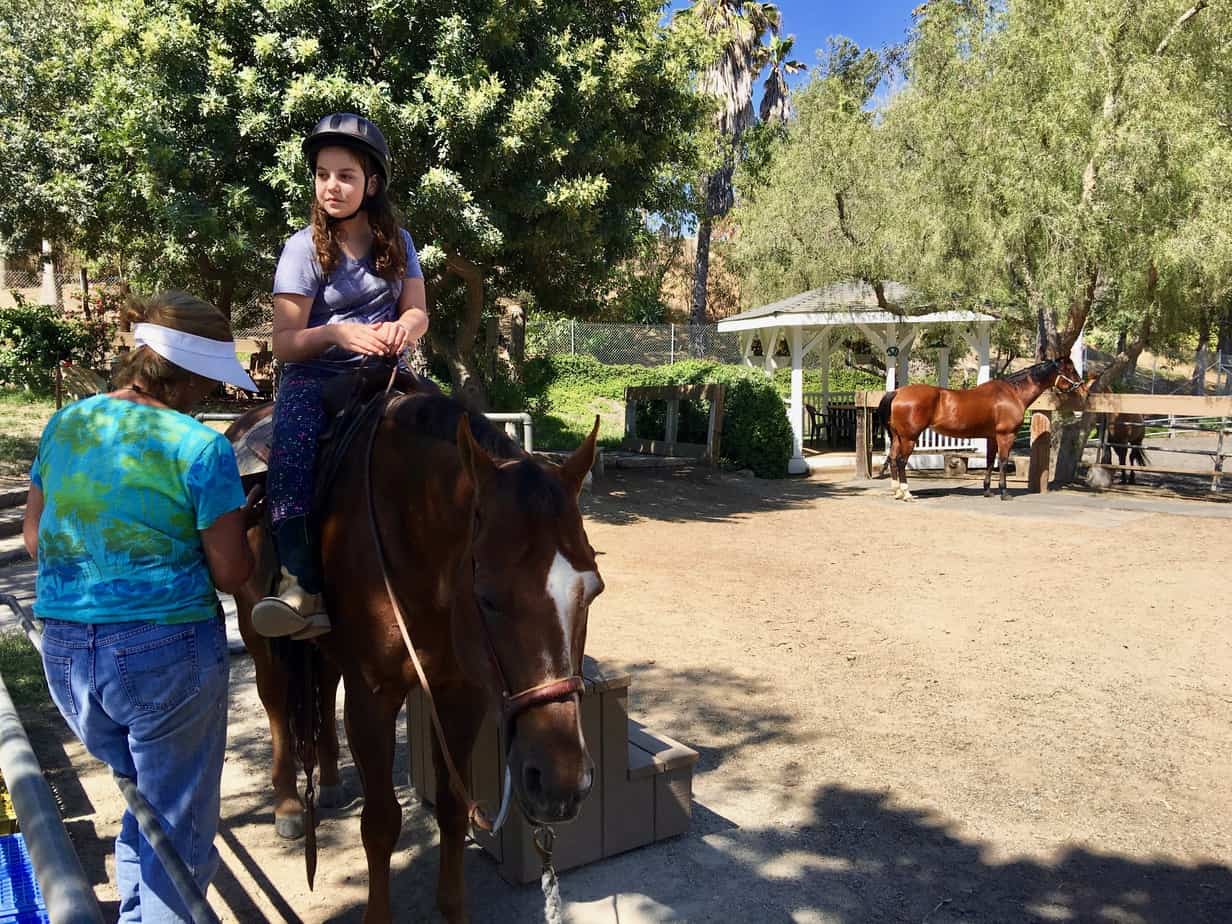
x=952 y=710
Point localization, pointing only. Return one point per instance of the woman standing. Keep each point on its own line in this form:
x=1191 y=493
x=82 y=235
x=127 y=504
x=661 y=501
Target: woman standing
x=347 y=286
x=135 y=517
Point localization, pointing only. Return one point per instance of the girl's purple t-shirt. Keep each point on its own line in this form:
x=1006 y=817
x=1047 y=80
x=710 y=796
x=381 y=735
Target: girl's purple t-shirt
x=353 y=292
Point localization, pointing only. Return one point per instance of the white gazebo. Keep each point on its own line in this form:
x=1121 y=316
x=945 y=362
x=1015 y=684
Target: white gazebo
x=809 y=321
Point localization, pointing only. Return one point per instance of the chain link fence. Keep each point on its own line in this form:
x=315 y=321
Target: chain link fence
x=630 y=344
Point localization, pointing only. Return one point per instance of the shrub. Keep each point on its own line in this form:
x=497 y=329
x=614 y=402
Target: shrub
x=564 y=391
x=34 y=338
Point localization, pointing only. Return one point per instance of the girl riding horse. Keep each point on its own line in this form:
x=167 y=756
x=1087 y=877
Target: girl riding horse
x=348 y=286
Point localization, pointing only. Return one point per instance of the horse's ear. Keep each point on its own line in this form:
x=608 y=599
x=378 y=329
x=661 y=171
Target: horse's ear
x=476 y=462
x=574 y=469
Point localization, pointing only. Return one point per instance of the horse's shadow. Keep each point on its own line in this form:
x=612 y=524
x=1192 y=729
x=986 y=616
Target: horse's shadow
x=861 y=856
x=853 y=855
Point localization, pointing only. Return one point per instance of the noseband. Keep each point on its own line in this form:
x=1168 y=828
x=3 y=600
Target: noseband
x=512 y=704
x=1074 y=384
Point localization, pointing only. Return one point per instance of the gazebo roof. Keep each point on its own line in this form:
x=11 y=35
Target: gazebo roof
x=844 y=303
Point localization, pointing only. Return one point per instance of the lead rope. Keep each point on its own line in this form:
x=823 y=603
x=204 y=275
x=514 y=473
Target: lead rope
x=474 y=813
x=544 y=838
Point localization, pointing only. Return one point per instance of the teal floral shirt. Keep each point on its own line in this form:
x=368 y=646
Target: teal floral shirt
x=127 y=488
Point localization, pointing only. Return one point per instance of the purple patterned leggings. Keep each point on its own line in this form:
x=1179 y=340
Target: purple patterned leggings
x=299 y=418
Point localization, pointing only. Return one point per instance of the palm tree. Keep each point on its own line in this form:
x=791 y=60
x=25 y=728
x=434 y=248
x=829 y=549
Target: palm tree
x=739 y=27
x=776 y=98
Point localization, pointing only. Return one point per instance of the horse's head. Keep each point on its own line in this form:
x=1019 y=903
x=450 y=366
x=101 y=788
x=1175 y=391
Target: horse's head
x=1065 y=378
x=524 y=627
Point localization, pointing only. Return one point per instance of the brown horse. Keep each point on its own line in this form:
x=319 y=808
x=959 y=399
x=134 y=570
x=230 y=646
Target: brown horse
x=484 y=548
x=991 y=411
x=1125 y=434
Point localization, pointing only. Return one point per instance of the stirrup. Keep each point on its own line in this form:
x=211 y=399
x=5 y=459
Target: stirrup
x=293 y=612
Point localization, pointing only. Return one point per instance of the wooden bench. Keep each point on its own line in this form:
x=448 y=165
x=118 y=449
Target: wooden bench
x=643 y=788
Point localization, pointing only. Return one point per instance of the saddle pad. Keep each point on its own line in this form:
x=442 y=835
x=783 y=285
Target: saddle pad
x=252 y=452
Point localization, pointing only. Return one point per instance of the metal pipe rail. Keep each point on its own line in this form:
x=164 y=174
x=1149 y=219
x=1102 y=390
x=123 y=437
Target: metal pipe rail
x=66 y=890
x=55 y=862
x=501 y=417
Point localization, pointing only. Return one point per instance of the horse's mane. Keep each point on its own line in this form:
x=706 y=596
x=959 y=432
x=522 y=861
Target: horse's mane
x=437 y=415
x=1030 y=372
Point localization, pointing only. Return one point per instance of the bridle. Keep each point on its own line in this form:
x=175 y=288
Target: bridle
x=1074 y=384
x=512 y=704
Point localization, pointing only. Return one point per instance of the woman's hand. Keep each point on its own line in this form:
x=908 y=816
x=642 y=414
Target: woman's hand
x=396 y=336
x=354 y=337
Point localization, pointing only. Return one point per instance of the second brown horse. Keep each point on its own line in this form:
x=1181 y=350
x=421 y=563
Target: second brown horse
x=992 y=411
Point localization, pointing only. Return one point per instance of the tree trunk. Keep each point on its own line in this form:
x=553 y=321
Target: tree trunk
x=1074 y=432
x=701 y=276
x=459 y=355
x=1201 y=357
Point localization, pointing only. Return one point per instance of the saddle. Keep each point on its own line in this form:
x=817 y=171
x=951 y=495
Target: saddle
x=350 y=401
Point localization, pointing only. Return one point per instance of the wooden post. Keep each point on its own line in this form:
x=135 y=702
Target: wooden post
x=672 y=426
x=714 y=433
x=864 y=439
x=630 y=416
x=85 y=292
x=1038 y=473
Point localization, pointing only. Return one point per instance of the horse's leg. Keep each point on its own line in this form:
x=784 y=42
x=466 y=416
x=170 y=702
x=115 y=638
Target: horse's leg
x=370 y=721
x=1122 y=452
x=892 y=464
x=991 y=461
x=1005 y=444
x=904 y=452
x=272 y=689
x=461 y=714
x=330 y=793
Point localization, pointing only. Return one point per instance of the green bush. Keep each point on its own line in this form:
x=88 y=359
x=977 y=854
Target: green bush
x=565 y=392
x=34 y=338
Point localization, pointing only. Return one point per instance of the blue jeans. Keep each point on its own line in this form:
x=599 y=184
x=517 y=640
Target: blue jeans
x=150 y=701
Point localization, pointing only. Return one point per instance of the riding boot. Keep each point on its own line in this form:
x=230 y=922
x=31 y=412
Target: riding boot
x=297 y=610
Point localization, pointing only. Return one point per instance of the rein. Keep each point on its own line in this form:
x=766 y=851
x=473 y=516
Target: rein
x=512 y=704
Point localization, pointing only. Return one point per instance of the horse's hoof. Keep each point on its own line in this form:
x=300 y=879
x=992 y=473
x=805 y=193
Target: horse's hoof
x=987 y=493
x=907 y=496
x=331 y=795
x=290 y=827
x=1005 y=497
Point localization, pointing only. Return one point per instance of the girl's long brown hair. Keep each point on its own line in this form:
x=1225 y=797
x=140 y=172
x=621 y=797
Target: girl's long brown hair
x=388 y=247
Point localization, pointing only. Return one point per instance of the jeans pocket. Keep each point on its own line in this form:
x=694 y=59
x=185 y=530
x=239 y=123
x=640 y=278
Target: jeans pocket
x=161 y=674
x=59 y=671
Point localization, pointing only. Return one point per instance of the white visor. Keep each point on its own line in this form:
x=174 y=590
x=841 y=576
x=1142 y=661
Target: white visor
x=213 y=359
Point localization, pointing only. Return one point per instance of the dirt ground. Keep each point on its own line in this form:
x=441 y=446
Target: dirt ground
x=952 y=710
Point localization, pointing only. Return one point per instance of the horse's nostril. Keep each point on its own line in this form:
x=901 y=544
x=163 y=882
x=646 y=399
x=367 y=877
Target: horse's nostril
x=532 y=781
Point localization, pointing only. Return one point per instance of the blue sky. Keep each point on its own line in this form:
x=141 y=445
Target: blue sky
x=870 y=23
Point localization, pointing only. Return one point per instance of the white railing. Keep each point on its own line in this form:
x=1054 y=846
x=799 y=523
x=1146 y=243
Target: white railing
x=931 y=440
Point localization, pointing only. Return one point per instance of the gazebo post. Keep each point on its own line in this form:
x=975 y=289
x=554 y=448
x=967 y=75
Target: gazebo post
x=796 y=464
x=943 y=367
x=825 y=374
x=983 y=350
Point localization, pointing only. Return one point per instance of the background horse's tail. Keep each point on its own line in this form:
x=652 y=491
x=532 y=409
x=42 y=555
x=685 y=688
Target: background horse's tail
x=1138 y=456
x=302 y=661
x=883 y=411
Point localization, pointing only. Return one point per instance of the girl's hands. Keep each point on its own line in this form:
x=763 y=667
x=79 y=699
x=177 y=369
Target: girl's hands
x=397 y=338
x=365 y=339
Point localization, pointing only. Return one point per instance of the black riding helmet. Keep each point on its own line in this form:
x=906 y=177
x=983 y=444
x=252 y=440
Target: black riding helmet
x=348 y=130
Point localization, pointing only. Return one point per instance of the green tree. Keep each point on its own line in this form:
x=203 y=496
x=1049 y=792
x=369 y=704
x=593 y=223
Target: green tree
x=527 y=139
x=1059 y=143
x=817 y=205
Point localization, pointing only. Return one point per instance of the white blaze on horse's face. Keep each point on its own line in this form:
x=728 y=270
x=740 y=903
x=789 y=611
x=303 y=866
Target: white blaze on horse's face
x=571 y=591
